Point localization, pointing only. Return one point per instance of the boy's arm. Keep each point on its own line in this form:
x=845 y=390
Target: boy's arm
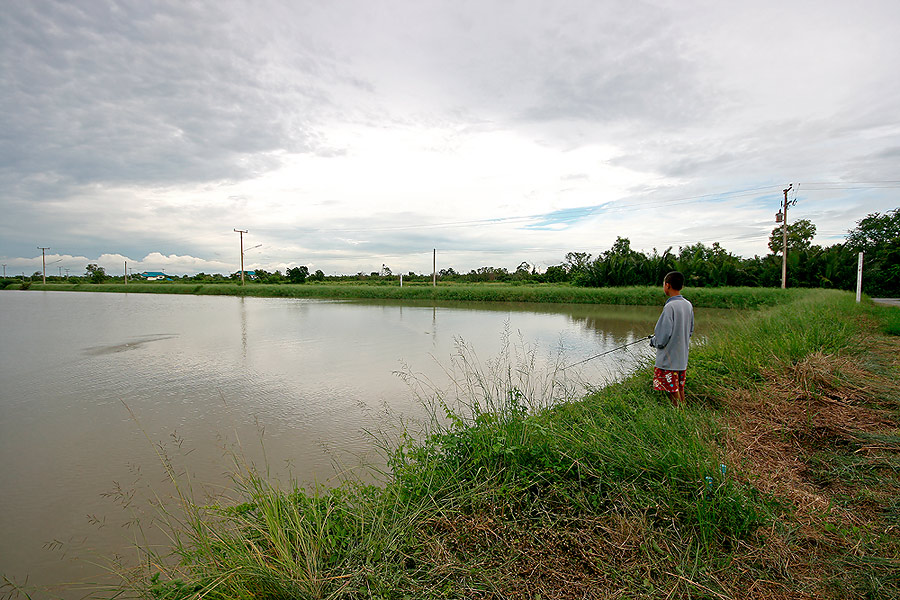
x=664 y=328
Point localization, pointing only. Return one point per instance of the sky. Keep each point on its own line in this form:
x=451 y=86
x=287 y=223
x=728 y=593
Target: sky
x=347 y=135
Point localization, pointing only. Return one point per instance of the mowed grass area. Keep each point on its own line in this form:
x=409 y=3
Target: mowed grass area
x=779 y=480
x=485 y=292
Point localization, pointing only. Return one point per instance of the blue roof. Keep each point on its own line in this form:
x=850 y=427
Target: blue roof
x=154 y=274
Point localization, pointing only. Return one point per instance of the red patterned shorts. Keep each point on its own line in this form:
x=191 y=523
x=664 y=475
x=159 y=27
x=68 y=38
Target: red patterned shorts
x=668 y=381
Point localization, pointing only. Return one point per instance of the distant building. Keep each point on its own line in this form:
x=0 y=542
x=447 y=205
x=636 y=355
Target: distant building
x=154 y=275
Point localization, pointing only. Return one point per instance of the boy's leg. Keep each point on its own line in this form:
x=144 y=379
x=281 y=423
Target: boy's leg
x=681 y=379
x=675 y=397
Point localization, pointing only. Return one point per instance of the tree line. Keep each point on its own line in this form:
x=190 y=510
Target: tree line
x=808 y=265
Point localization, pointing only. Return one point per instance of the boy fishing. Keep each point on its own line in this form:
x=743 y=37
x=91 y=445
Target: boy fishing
x=672 y=339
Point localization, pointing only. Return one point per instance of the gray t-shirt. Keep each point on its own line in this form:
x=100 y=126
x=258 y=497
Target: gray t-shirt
x=672 y=335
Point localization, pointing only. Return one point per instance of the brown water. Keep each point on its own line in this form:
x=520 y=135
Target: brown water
x=94 y=387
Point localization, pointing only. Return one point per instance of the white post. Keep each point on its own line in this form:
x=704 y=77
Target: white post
x=401 y=279
x=859 y=278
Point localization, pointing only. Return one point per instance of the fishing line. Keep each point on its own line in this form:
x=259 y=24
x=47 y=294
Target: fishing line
x=638 y=341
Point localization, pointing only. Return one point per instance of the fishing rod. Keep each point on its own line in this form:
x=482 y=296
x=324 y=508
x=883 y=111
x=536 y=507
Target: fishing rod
x=638 y=341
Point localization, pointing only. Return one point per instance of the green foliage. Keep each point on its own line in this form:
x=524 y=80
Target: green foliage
x=556 y=274
x=799 y=236
x=875 y=231
x=709 y=266
x=298 y=274
x=95 y=273
x=889 y=317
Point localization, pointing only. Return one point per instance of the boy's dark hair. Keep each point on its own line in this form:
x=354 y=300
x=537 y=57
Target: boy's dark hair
x=675 y=279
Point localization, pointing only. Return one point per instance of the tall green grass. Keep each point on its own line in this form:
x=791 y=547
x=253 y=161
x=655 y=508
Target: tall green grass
x=743 y=297
x=818 y=321
x=889 y=317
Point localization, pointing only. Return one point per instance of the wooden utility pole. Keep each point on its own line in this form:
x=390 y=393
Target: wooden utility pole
x=242 y=232
x=434 y=269
x=126 y=272
x=784 y=240
x=43 y=264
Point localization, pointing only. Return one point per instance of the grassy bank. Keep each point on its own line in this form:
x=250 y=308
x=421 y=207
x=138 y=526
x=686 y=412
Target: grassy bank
x=488 y=292
x=780 y=480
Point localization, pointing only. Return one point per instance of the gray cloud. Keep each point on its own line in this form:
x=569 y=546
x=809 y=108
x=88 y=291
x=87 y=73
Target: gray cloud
x=146 y=92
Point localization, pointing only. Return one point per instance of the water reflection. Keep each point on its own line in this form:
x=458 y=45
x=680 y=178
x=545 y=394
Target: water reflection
x=243 y=311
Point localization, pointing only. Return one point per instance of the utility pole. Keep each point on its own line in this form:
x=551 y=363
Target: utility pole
x=4 y=270
x=67 y=273
x=126 y=272
x=859 y=266
x=242 y=232
x=434 y=269
x=784 y=225
x=43 y=264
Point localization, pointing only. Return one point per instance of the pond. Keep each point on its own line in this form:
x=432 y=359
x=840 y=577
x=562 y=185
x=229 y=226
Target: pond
x=95 y=388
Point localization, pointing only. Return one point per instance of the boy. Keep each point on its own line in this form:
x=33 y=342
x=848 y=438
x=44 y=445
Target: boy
x=672 y=339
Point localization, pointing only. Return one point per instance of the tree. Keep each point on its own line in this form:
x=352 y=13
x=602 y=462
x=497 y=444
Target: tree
x=874 y=230
x=878 y=237
x=95 y=273
x=523 y=271
x=799 y=236
x=577 y=261
x=298 y=274
x=556 y=274
x=319 y=275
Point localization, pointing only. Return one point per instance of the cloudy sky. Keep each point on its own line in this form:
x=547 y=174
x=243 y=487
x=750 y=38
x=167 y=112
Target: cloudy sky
x=344 y=135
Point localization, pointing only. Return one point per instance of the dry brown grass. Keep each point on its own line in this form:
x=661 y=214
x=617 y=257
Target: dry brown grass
x=567 y=559
x=826 y=406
